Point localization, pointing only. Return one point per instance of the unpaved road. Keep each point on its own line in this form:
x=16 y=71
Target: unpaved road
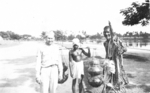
x=17 y=69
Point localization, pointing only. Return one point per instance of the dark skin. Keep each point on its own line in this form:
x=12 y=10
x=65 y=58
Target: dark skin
x=76 y=55
x=119 y=50
x=108 y=37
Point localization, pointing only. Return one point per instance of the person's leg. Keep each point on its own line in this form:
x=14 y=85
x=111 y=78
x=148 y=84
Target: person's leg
x=85 y=87
x=53 y=79
x=80 y=84
x=124 y=76
x=74 y=86
x=45 y=80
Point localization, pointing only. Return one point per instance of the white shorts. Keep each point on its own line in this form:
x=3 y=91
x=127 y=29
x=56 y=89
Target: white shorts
x=77 y=69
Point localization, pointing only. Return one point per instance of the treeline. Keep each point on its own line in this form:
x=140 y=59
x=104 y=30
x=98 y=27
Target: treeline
x=141 y=34
x=59 y=36
x=63 y=36
x=9 y=35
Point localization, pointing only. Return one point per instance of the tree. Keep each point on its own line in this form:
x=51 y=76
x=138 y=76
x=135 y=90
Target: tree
x=71 y=37
x=4 y=35
x=43 y=34
x=59 y=35
x=138 y=13
x=15 y=37
x=95 y=36
x=9 y=35
x=98 y=36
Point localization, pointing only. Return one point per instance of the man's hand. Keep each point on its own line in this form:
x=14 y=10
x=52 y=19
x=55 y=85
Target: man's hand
x=38 y=79
x=121 y=51
x=88 y=47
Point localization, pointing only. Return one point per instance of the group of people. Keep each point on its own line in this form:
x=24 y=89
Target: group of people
x=49 y=66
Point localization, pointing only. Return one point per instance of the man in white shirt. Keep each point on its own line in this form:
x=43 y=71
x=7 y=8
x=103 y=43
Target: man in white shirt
x=49 y=65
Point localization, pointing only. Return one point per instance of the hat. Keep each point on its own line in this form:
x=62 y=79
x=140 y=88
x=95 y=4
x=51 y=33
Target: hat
x=76 y=41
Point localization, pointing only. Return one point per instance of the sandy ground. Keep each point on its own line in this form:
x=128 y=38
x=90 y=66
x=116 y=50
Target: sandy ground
x=17 y=68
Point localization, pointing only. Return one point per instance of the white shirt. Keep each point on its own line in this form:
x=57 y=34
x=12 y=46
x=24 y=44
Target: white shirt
x=47 y=56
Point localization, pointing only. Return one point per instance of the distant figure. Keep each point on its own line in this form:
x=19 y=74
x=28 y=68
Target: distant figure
x=114 y=52
x=49 y=65
x=76 y=64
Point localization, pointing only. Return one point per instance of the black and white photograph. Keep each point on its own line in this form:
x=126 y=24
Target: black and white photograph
x=74 y=46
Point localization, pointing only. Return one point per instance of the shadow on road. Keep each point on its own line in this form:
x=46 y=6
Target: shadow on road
x=136 y=58
x=130 y=75
x=144 y=87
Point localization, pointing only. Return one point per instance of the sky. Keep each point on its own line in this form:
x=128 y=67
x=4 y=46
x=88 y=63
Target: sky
x=34 y=16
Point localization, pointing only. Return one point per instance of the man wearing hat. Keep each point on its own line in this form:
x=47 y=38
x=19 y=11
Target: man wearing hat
x=49 y=65
x=76 y=64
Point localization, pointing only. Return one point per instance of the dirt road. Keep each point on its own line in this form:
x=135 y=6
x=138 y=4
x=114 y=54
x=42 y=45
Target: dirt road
x=17 y=68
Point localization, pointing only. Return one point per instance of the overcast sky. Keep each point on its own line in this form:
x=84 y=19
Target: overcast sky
x=34 y=16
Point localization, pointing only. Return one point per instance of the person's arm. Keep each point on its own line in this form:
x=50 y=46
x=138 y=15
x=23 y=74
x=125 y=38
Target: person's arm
x=70 y=62
x=85 y=53
x=105 y=49
x=60 y=65
x=124 y=49
x=38 y=66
